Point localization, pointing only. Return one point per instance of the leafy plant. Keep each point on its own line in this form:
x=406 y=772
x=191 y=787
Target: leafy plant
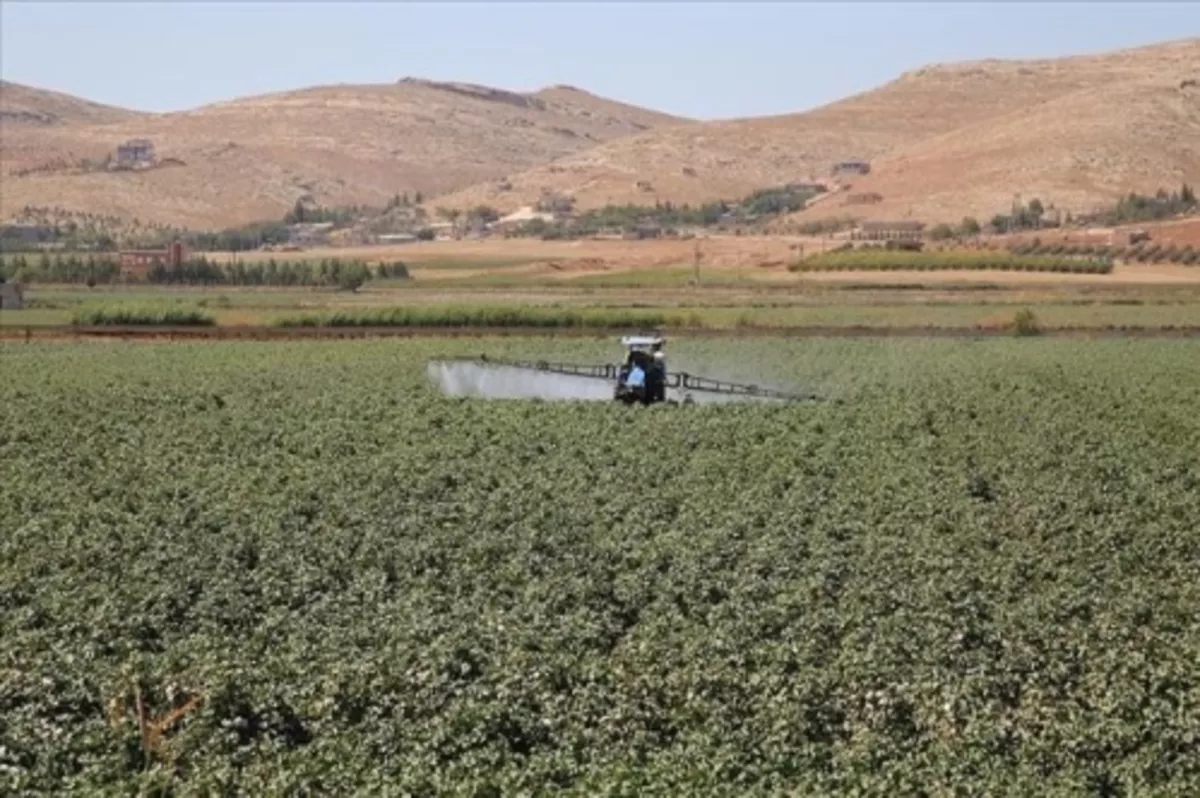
x=298 y=568
x=876 y=260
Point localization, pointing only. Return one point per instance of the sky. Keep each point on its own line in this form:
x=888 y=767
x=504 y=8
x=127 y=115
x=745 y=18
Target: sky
x=703 y=60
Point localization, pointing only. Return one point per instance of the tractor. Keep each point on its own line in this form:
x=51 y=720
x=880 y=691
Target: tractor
x=642 y=377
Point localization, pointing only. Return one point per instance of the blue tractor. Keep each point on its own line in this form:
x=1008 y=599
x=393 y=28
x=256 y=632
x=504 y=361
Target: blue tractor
x=642 y=377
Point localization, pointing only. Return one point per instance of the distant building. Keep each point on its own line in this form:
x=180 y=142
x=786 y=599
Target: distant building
x=852 y=166
x=395 y=238
x=140 y=261
x=900 y=230
x=1126 y=238
x=134 y=153
x=12 y=296
x=26 y=234
x=309 y=233
x=643 y=231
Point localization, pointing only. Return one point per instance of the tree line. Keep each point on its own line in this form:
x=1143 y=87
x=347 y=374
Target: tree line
x=631 y=218
x=103 y=270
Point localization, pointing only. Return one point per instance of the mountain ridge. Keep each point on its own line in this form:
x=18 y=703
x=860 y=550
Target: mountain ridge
x=463 y=144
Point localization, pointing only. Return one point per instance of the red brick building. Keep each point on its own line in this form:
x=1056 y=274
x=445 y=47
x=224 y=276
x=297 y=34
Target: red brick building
x=140 y=261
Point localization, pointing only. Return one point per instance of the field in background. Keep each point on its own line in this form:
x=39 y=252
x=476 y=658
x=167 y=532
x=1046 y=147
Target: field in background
x=743 y=283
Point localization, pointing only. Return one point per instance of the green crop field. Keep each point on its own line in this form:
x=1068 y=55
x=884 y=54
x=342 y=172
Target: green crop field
x=293 y=569
x=876 y=259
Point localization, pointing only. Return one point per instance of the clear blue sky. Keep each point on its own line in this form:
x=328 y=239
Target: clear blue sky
x=705 y=60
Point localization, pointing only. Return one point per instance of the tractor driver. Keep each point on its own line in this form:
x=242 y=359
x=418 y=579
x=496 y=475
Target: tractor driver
x=637 y=376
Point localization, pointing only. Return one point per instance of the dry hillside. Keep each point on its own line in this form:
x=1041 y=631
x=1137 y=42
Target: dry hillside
x=252 y=158
x=945 y=141
x=23 y=105
x=1076 y=155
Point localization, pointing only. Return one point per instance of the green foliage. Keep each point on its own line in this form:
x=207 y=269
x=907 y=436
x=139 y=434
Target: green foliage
x=817 y=227
x=974 y=574
x=498 y=316
x=871 y=259
x=970 y=226
x=758 y=206
x=776 y=201
x=239 y=239
x=60 y=268
x=1023 y=217
x=1025 y=322
x=306 y=213
x=484 y=213
x=134 y=314
x=941 y=232
x=396 y=270
x=1139 y=208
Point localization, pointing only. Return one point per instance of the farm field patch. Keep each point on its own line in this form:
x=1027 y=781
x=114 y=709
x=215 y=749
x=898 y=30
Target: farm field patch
x=881 y=303
x=977 y=565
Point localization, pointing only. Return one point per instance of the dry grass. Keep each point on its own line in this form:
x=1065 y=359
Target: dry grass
x=25 y=105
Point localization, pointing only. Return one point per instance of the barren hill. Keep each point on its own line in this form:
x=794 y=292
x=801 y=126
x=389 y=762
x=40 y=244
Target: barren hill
x=252 y=158
x=944 y=141
x=25 y=105
x=1077 y=154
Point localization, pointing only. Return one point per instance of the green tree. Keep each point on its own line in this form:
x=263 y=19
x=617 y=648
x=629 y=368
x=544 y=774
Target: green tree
x=484 y=213
x=941 y=232
x=969 y=226
x=297 y=215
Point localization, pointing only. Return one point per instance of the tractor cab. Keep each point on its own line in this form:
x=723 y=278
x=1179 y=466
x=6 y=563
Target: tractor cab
x=642 y=376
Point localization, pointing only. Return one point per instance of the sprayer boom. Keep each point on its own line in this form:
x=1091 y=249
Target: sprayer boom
x=616 y=373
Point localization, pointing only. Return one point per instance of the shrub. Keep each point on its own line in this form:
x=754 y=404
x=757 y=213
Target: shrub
x=941 y=232
x=477 y=317
x=1025 y=322
x=162 y=316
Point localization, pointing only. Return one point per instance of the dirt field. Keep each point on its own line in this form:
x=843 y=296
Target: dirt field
x=1181 y=232
x=750 y=258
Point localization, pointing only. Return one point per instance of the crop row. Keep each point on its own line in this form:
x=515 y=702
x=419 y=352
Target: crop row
x=296 y=569
x=1139 y=253
x=443 y=316
x=879 y=260
x=161 y=315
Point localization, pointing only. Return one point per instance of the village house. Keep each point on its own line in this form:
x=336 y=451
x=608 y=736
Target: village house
x=523 y=216
x=137 y=262
x=133 y=154
x=852 y=166
x=309 y=234
x=395 y=238
x=899 y=230
x=26 y=235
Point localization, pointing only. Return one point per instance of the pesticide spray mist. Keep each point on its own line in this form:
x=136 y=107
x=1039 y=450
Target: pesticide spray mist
x=503 y=382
